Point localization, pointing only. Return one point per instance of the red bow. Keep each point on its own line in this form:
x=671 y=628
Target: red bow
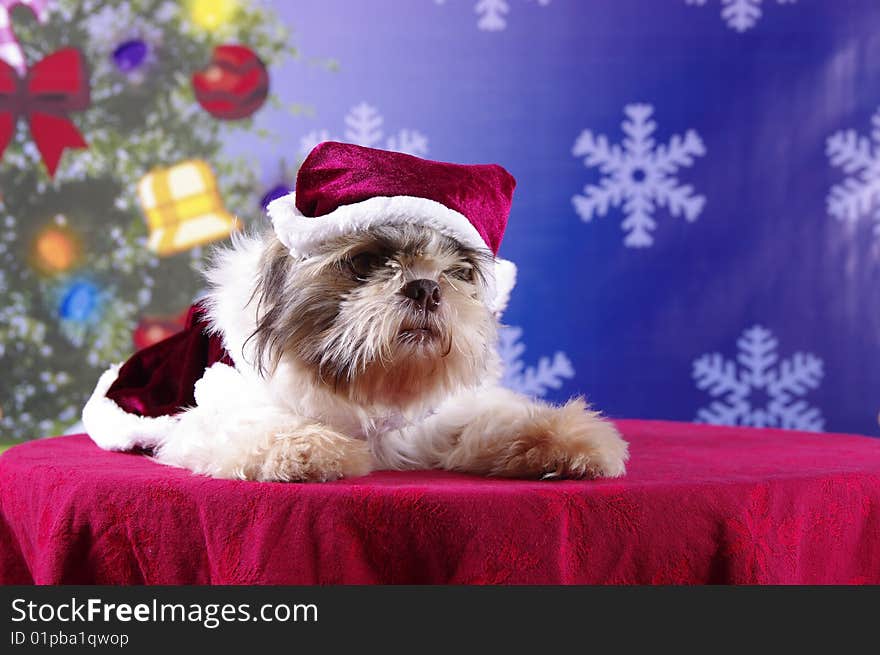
x=53 y=87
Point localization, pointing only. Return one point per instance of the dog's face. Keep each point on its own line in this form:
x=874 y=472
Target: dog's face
x=388 y=316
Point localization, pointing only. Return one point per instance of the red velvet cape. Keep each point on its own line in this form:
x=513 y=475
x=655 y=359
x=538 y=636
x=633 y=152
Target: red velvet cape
x=160 y=379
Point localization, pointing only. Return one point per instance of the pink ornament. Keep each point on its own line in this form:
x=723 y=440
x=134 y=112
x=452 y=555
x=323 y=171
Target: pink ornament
x=10 y=50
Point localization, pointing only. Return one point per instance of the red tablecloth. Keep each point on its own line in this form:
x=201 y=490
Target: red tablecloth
x=700 y=504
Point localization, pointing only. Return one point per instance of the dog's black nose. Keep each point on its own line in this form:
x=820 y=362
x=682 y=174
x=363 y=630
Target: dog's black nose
x=424 y=293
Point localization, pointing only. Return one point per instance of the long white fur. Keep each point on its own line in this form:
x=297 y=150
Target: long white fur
x=284 y=426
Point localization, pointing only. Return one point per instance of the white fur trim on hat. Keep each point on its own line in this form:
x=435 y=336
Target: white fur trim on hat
x=301 y=233
x=505 y=280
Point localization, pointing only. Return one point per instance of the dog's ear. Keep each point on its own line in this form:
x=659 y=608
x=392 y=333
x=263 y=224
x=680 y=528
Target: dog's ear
x=268 y=294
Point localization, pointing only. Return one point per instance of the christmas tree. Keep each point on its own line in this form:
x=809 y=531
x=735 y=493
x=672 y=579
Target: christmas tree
x=76 y=275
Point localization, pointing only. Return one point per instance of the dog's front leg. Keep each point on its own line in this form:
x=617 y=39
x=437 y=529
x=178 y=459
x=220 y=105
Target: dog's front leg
x=262 y=444
x=498 y=432
x=233 y=433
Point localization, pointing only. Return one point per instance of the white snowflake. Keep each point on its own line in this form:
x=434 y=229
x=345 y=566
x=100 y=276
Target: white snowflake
x=313 y=138
x=492 y=14
x=740 y=15
x=762 y=391
x=859 y=156
x=639 y=176
x=363 y=126
x=531 y=380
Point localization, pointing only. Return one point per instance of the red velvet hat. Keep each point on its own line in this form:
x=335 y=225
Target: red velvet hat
x=344 y=188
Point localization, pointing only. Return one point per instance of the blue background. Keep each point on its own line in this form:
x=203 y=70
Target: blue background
x=764 y=251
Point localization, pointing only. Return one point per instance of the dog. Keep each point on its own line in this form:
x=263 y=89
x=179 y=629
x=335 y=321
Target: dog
x=375 y=350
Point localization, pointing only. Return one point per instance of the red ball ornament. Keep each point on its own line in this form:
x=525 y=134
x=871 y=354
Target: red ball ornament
x=234 y=85
x=152 y=330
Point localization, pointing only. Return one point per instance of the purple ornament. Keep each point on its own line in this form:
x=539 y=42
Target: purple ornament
x=277 y=191
x=130 y=55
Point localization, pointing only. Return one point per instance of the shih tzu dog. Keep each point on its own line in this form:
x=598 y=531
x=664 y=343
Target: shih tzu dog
x=357 y=335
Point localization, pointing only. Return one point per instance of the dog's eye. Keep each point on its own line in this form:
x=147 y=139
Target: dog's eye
x=365 y=263
x=465 y=273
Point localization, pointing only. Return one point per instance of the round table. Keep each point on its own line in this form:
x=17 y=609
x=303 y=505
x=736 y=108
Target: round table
x=700 y=504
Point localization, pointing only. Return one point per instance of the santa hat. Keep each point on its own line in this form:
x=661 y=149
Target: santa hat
x=343 y=188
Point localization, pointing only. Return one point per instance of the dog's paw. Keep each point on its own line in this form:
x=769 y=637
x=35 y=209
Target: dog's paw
x=313 y=453
x=565 y=442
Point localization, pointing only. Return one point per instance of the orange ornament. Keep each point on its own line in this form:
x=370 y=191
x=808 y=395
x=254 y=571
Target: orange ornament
x=56 y=250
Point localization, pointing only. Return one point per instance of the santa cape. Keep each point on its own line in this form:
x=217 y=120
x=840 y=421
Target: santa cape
x=134 y=404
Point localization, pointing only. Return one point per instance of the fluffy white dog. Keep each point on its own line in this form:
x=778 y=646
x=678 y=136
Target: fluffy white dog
x=371 y=347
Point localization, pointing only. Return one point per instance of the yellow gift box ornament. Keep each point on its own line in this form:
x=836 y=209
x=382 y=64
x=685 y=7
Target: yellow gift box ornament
x=183 y=207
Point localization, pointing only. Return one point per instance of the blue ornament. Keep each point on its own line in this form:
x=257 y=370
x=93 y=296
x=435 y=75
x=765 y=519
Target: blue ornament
x=277 y=191
x=130 y=55
x=79 y=301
